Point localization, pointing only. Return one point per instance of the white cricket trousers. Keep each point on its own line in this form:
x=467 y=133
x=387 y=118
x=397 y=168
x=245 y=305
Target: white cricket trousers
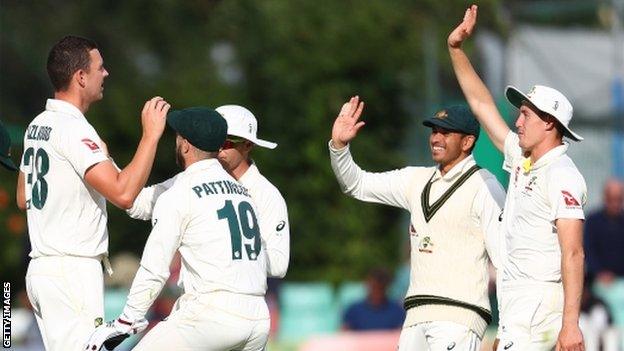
x=530 y=316
x=67 y=295
x=212 y=322
x=439 y=336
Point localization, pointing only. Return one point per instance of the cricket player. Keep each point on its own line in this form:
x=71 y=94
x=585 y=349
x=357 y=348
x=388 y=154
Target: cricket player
x=543 y=216
x=210 y=218
x=453 y=207
x=235 y=156
x=64 y=181
x=5 y=149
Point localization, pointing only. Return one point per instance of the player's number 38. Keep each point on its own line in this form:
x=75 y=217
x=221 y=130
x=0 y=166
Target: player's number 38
x=39 y=163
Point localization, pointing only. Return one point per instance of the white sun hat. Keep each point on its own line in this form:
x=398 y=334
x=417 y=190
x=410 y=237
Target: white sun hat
x=242 y=123
x=547 y=100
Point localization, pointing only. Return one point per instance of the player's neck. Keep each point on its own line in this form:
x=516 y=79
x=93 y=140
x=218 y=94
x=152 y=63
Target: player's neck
x=542 y=148
x=241 y=169
x=74 y=99
x=447 y=167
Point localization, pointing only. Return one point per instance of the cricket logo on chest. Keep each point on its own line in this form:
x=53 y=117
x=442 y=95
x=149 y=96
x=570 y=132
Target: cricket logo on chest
x=528 y=187
x=425 y=245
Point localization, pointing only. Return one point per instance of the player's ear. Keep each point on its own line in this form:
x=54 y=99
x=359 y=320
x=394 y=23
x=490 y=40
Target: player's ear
x=80 y=77
x=185 y=146
x=468 y=142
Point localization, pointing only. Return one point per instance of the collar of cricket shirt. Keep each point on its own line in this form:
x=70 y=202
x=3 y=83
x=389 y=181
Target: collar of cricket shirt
x=454 y=172
x=546 y=158
x=201 y=165
x=250 y=174
x=62 y=106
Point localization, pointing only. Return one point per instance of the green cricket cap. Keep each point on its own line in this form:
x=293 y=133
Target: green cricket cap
x=457 y=118
x=5 y=149
x=203 y=127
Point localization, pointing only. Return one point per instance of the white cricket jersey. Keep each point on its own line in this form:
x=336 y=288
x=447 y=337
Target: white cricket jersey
x=537 y=196
x=272 y=215
x=66 y=216
x=211 y=219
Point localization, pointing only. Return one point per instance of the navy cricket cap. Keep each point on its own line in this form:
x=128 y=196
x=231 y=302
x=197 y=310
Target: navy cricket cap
x=203 y=127
x=5 y=149
x=455 y=118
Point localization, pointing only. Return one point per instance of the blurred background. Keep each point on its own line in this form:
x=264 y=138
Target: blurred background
x=293 y=63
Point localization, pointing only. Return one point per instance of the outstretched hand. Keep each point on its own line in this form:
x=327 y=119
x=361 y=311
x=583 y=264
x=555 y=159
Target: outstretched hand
x=464 y=29
x=347 y=125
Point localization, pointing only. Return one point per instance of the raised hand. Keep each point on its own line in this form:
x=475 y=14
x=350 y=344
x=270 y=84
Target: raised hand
x=464 y=29
x=347 y=125
x=154 y=116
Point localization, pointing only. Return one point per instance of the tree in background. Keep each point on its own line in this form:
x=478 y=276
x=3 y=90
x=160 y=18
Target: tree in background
x=292 y=63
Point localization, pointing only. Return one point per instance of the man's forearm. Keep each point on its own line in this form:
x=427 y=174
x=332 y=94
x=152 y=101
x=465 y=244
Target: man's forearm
x=478 y=97
x=572 y=276
x=134 y=176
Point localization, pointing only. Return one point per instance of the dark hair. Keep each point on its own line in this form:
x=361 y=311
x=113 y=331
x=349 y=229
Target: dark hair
x=547 y=117
x=66 y=57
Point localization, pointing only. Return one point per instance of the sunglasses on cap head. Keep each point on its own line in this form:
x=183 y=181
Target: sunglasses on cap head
x=231 y=142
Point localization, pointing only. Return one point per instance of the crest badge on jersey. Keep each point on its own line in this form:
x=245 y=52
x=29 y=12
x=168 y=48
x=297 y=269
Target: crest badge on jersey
x=426 y=245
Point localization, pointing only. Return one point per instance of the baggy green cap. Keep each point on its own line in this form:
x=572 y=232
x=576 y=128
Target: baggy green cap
x=203 y=127
x=456 y=118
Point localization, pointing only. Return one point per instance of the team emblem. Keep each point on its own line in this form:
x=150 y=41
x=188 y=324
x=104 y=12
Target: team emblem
x=425 y=245
x=556 y=106
x=441 y=114
x=98 y=321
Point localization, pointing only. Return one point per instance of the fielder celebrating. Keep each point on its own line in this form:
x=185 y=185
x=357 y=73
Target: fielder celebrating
x=543 y=219
x=64 y=181
x=211 y=219
x=235 y=156
x=454 y=208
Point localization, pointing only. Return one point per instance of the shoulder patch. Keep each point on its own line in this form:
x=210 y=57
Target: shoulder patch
x=90 y=144
x=569 y=199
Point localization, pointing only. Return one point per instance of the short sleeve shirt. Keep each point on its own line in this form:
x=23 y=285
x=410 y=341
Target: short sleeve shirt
x=65 y=215
x=537 y=196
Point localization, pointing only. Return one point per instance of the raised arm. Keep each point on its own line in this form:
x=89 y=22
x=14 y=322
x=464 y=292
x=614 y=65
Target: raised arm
x=122 y=187
x=477 y=95
x=389 y=188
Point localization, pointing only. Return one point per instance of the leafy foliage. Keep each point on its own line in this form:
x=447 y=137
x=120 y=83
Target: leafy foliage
x=293 y=63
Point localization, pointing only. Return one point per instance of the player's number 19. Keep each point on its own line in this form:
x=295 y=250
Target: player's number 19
x=249 y=225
